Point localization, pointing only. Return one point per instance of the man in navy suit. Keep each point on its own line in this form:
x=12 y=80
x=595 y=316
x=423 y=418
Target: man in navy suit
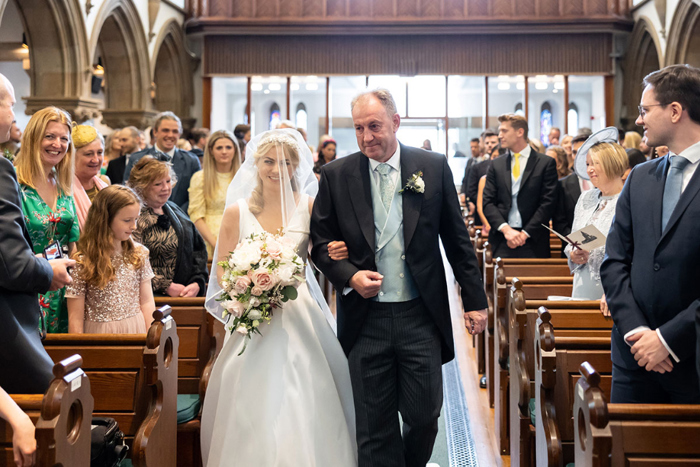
x=166 y=130
x=650 y=273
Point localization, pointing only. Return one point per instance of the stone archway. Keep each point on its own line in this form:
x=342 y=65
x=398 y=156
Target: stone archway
x=119 y=33
x=59 y=64
x=642 y=58
x=172 y=73
x=684 y=34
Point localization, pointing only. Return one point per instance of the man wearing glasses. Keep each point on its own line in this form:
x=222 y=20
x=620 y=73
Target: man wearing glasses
x=650 y=274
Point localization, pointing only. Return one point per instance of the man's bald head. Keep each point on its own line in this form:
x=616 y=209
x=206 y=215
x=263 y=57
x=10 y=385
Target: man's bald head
x=7 y=102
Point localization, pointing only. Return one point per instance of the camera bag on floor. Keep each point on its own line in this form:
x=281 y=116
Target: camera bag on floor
x=108 y=448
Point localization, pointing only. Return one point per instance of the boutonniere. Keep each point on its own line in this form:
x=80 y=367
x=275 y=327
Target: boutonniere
x=8 y=155
x=415 y=183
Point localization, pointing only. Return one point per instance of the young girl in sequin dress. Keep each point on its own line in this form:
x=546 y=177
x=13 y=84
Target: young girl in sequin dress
x=111 y=289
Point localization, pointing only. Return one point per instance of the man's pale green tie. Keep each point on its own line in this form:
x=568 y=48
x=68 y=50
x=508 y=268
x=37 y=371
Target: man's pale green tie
x=673 y=188
x=386 y=187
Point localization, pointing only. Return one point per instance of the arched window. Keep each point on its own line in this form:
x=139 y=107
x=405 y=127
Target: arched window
x=572 y=116
x=519 y=109
x=302 y=117
x=275 y=116
x=545 y=122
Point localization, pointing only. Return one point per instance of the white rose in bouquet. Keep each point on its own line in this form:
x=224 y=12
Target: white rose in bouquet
x=286 y=273
x=254 y=314
x=242 y=330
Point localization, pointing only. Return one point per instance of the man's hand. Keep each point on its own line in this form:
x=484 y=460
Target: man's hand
x=174 y=289
x=664 y=367
x=513 y=237
x=475 y=321
x=648 y=349
x=366 y=283
x=604 y=307
x=61 y=278
x=190 y=291
x=337 y=251
x=472 y=208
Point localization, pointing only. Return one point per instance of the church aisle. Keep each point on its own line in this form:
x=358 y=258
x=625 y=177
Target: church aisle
x=478 y=415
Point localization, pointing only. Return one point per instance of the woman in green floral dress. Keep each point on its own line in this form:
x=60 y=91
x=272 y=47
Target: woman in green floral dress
x=45 y=173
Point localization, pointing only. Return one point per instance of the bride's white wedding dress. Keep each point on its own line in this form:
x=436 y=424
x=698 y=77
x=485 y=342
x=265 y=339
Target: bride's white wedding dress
x=287 y=401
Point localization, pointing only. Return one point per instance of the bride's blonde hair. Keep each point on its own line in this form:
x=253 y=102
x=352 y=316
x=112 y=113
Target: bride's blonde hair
x=290 y=149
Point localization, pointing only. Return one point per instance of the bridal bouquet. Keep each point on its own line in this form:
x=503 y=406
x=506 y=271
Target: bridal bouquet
x=263 y=272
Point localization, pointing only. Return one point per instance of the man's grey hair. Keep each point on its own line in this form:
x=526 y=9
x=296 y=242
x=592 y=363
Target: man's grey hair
x=133 y=130
x=382 y=95
x=167 y=115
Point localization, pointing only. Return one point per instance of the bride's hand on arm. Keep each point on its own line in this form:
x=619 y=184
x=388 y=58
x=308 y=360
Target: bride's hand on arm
x=337 y=251
x=228 y=235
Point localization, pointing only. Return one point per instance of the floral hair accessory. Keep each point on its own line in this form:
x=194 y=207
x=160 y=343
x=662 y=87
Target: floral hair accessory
x=415 y=183
x=282 y=138
x=83 y=135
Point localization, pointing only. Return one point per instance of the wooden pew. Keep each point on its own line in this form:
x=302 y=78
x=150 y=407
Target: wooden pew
x=631 y=434
x=539 y=287
x=134 y=380
x=201 y=339
x=62 y=417
x=566 y=335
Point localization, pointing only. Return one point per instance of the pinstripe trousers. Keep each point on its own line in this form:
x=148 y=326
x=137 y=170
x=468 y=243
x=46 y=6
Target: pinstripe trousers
x=396 y=367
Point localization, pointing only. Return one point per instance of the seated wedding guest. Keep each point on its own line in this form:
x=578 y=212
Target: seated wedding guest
x=111 y=290
x=178 y=253
x=22 y=277
x=242 y=134
x=558 y=154
x=602 y=161
x=23 y=440
x=45 y=174
x=89 y=153
x=166 y=131
x=566 y=144
x=208 y=186
x=129 y=144
x=326 y=153
x=632 y=140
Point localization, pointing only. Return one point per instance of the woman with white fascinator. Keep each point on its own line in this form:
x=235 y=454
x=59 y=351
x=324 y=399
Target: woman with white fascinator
x=602 y=161
x=286 y=400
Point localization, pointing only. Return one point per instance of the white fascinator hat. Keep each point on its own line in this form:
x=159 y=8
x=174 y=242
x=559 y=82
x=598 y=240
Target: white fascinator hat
x=606 y=135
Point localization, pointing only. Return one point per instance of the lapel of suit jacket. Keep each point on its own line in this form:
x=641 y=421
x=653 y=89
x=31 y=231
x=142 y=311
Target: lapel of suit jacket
x=412 y=202
x=655 y=193
x=529 y=167
x=575 y=187
x=507 y=174
x=360 y=194
x=688 y=195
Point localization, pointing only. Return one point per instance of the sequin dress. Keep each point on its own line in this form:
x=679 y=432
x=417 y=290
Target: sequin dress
x=44 y=227
x=116 y=308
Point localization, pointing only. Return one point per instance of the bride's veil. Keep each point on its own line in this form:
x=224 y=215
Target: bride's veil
x=287 y=150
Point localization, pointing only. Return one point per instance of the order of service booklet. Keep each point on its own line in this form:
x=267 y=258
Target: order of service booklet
x=588 y=238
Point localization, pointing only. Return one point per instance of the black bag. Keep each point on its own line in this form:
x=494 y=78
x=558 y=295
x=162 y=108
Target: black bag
x=107 y=443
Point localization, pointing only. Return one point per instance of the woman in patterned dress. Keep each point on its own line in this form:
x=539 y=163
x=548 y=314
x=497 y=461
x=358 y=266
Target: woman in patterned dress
x=222 y=159
x=45 y=174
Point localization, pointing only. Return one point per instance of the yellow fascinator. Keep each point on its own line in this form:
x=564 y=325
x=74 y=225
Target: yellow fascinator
x=83 y=135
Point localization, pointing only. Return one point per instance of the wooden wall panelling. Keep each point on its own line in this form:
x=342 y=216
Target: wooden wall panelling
x=572 y=7
x=596 y=7
x=313 y=8
x=504 y=8
x=384 y=8
x=336 y=7
x=430 y=8
x=477 y=8
x=454 y=9
x=407 y=8
x=224 y=8
x=361 y=8
x=268 y=8
x=548 y=8
x=290 y=8
x=240 y=8
x=524 y=8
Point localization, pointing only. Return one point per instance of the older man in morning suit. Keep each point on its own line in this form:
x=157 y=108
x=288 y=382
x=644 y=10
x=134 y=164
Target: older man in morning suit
x=651 y=271
x=393 y=311
x=26 y=367
x=519 y=195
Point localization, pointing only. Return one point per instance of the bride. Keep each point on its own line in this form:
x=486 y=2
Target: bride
x=287 y=400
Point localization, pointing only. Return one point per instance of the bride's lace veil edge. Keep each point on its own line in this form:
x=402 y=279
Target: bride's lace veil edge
x=282 y=145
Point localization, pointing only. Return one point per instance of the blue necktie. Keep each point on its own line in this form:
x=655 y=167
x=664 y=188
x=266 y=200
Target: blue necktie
x=673 y=188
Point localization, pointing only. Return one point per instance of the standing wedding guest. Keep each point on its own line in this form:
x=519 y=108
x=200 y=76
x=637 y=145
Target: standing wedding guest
x=185 y=145
x=326 y=153
x=520 y=194
x=537 y=145
x=559 y=155
x=45 y=173
x=569 y=190
x=490 y=141
x=635 y=157
x=650 y=272
x=129 y=144
x=22 y=277
x=12 y=145
x=566 y=144
x=554 y=135
x=208 y=186
x=632 y=140
x=198 y=140
x=89 y=154
x=167 y=130
x=178 y=253
x=113 y=146
x=242 y=134
x=604 y=162
x=427 y=146
x=111 y=290
x=486 y=227
x=474 y=159
x=143 y=140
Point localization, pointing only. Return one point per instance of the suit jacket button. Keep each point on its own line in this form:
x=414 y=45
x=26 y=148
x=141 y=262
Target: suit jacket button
x=657 y=267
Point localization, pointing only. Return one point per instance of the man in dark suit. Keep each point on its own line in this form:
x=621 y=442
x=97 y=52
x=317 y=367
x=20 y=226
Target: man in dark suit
x=392 y=204
x=26 y=367
x=487 y=141
x=166 y=131
x=650 y=273
x=129 y=141
x=519 y=195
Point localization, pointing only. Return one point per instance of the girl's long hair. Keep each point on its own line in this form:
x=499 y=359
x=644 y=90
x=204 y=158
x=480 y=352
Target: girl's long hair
x=211 y=179
x=96 y=243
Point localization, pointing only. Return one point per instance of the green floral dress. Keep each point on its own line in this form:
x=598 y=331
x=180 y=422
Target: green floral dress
x=45 y=226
